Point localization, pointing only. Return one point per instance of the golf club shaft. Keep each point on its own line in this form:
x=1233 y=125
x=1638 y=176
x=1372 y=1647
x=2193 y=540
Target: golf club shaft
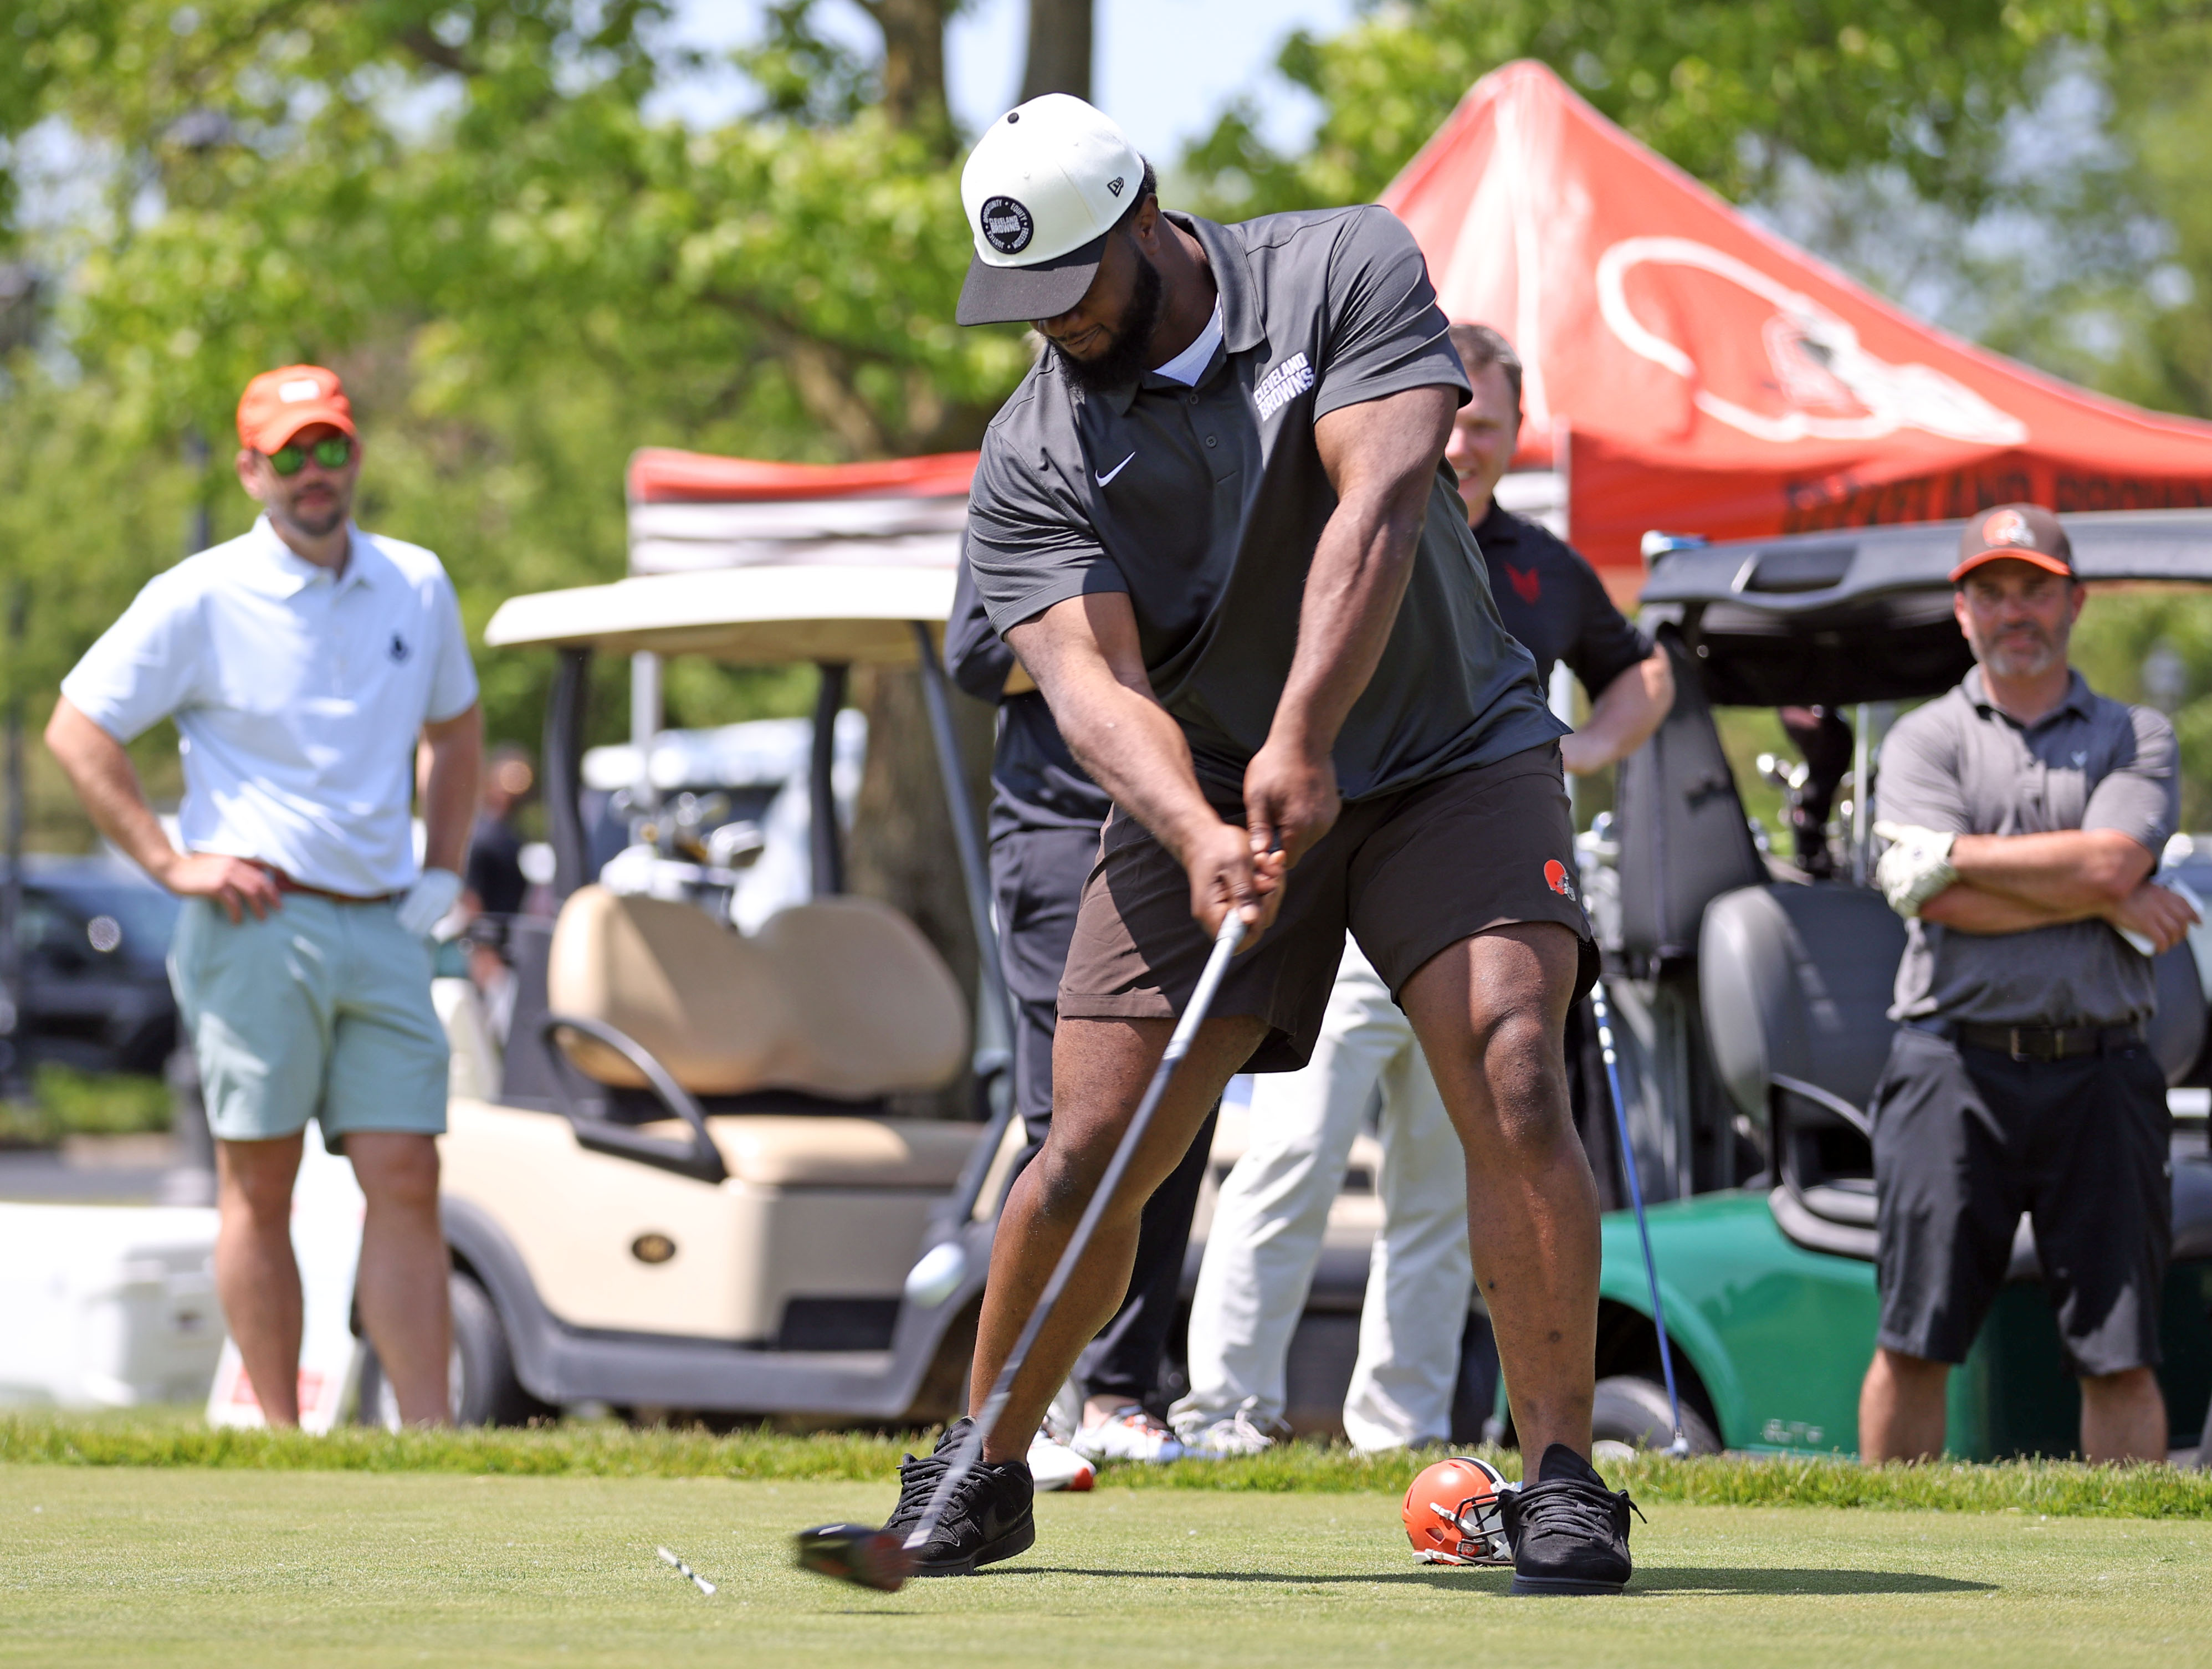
x=1602 y=1010
x=1194 y=1015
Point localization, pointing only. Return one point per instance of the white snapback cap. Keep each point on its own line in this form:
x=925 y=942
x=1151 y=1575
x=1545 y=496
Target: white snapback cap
x=1043 y=188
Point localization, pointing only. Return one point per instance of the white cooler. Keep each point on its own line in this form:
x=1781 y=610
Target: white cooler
x=107 y=1306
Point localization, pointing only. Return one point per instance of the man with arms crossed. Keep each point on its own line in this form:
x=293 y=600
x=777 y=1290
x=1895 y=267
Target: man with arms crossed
x=1274 y=1208
x=1204 y=578
x=2025 y=813
x=300 y=662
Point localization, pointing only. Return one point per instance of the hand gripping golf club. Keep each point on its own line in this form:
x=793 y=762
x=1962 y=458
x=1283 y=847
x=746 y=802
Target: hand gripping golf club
x=1680 y=1445
x=878 y=1559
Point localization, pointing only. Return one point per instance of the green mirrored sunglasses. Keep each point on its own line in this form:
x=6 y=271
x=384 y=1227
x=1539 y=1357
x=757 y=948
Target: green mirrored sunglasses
x=333 y=453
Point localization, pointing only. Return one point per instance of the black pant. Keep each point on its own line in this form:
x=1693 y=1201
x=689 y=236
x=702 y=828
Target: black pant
x=1965 y=1139
x=1037 y=877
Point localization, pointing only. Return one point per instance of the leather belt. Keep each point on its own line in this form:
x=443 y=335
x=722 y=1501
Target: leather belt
x=286 y=883
x=2049 y=1042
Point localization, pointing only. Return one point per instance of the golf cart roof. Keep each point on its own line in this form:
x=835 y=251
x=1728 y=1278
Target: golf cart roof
x=826 y=612
x=1864 y=614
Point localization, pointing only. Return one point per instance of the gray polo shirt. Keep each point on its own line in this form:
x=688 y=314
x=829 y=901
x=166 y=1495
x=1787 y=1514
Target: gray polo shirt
x=1960 y=765
x=1204 y=504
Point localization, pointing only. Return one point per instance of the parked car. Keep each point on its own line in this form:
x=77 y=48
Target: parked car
x=95 y=933
x=1750 y=997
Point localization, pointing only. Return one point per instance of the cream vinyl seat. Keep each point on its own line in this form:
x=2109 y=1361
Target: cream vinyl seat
x=840 y=998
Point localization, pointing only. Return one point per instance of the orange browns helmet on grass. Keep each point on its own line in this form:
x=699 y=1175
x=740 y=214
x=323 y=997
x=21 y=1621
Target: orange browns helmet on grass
x=1452 y=1514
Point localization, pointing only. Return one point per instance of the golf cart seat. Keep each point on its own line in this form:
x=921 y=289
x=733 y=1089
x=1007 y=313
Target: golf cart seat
x=1795 y=984
x=841 y=998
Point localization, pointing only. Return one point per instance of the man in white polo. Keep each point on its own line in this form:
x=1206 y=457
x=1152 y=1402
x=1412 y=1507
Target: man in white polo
x=301 y=662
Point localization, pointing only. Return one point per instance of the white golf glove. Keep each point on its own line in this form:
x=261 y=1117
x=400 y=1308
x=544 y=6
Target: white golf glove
x=427 y=901
x=1915 y=867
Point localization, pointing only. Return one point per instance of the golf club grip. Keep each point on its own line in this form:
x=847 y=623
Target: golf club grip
x=1194 y=1015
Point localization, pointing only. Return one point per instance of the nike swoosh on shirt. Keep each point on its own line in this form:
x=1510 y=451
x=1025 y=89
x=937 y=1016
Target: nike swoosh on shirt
x=1117 y=468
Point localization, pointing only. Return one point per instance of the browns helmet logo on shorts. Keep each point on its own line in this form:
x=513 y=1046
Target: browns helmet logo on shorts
x=1556 y=877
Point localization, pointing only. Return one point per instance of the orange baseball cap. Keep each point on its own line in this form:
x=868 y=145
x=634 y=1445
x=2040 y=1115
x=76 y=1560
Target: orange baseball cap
x=2015 y=532
x=277 y=404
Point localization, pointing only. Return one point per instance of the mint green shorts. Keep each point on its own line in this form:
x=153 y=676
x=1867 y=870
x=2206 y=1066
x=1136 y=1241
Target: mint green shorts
x=322 y=1011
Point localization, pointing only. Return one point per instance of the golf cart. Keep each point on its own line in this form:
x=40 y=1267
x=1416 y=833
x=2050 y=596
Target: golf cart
x=1750 y=993
x=686 y=1181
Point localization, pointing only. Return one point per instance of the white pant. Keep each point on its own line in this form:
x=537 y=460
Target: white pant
x=1267 y=1227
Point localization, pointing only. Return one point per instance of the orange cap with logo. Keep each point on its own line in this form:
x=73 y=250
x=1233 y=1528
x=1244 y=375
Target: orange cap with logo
x=277 y=404
x=2018 y=533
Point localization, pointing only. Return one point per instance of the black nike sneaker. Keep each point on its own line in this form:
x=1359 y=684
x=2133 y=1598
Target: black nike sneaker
x=1569 y=1532
x=988 y=1518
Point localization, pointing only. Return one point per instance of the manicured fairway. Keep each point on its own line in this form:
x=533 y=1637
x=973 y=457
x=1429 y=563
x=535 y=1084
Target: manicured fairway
x=241 y=1569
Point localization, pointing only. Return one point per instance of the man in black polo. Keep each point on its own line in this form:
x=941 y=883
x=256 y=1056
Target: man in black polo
x=2024 y=813
x=1549 y=597
x=1045 y=817
x=1195 y=522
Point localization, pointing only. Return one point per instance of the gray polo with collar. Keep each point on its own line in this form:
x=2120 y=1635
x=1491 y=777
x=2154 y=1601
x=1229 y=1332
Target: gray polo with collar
x=1203 y=504
x=1960 y=765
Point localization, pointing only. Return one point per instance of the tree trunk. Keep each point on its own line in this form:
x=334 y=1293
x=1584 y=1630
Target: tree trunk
x=1059 y=49
x=913 y=62
x=901 y=848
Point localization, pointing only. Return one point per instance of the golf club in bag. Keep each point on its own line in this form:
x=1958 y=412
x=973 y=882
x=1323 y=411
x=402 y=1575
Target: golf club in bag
x=876 y=1558
x=1602 y=1011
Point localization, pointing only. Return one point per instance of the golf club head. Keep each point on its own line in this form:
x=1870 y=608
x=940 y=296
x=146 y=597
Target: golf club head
x=938 y=1276
x=857 y=1553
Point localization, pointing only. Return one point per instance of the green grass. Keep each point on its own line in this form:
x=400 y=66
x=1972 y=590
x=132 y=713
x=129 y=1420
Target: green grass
x=64 y=1101
x=607 y=1449
x=245 y=1570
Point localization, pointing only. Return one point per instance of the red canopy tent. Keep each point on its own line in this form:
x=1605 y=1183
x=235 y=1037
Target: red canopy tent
x=1687 y=370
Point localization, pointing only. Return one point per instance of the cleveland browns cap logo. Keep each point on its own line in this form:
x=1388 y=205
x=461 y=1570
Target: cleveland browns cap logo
x=2006 y=527
x=1007 y=224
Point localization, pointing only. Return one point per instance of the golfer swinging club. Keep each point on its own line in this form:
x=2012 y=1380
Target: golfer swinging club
x=1212 y=523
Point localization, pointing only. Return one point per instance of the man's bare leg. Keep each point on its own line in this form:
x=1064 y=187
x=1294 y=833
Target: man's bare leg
x=1490 y=1014
x=1100 y=1069
x=256 y=1280
x=1902 y=1408
x=2122 y=1417
x=405 y=1303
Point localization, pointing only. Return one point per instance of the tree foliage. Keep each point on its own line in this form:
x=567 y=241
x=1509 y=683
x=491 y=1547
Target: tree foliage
x=468 y=211
x=1728 y=88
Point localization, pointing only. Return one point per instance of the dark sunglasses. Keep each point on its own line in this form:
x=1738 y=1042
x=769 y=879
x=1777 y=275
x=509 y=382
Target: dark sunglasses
x=332 y=453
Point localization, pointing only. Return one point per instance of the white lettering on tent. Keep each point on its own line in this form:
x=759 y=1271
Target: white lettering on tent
x=1830 y=388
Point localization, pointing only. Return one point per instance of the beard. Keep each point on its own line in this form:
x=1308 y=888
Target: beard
x=2024 y=652
x=1129 y=338
x=322 y=519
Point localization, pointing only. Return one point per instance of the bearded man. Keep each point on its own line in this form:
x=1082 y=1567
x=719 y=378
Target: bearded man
x=1215 y=525
x=2025 y=813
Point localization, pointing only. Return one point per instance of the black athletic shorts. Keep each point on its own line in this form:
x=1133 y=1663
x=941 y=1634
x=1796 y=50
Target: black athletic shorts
x=1410 y=874
x=1965 y=1139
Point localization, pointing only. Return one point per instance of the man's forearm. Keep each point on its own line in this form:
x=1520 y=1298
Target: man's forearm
x=1131 y=749
x=1382 y=457
x=1972 y=909
x=449 y=794
x=2082 y=872
x=1624 y=716
x=1358 y=577
x=107 y=783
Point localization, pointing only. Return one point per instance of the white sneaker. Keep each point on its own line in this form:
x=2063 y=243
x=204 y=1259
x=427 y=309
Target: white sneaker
x=1128 y=1434
x=1227 y=1440
x=1054 y=1465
